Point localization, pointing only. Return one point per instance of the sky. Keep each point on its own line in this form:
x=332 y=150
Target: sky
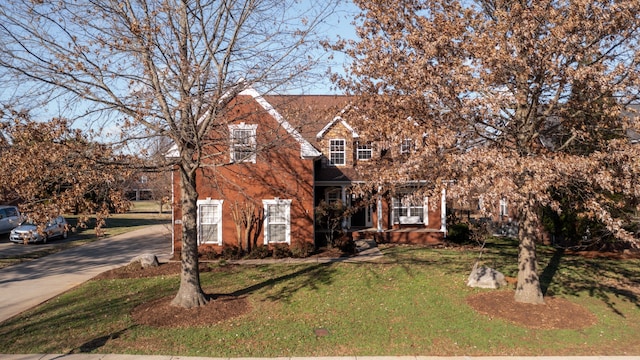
x=337 y=26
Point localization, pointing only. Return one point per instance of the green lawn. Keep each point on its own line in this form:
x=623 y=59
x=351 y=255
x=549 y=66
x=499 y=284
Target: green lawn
x=413 y=303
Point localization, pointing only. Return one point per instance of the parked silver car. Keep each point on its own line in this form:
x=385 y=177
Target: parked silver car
x=27 y=232
x=9 y=218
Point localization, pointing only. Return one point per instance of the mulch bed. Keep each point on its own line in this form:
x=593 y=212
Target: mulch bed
x=555 y=313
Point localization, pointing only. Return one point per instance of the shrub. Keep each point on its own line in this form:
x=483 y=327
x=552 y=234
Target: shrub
x=231 y=252
x=259 y=252
x=281 y=251
x=302 y=249
x=459 y=233
x=208 y=253
x=346 y=245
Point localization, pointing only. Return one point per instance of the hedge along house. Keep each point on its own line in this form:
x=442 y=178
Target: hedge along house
x=283 y=156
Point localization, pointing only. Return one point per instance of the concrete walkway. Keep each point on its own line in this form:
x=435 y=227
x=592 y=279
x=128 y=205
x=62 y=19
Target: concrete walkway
x=25 y=285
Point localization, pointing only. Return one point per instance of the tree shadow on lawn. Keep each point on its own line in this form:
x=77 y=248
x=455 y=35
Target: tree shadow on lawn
x=310 y=277
x=573 y=274
x=605 y=279
x=454 y=259
x=96 y=313
x=601 y=278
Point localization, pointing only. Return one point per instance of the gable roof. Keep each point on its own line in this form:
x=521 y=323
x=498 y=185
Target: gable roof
x=306 y=149
x=335 y=121
x=302 y=116
x=309 y=114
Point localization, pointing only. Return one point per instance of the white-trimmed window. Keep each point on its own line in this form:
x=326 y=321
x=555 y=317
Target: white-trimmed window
x=277 y=222
x=337 y=155
x=410 y=209
x=210 y=221
x=406 y=146
x=333 y=195
x=504 y=209
x=243 y=142
x=364 y=151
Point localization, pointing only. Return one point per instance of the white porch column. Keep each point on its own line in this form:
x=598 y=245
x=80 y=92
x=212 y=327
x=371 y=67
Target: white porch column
x=443 y=211
x=346 y=222
x=379 y=209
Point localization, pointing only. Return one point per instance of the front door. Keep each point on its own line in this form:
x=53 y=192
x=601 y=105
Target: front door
x=361 y=218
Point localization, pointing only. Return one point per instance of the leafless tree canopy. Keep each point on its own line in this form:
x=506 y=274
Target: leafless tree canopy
x=149 y=68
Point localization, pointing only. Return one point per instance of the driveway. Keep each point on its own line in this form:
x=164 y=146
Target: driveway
x=25 y=285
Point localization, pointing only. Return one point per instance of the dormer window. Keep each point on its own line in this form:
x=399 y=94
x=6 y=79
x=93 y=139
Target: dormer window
x=364 y=151
x=337 y=152
x=243 y=142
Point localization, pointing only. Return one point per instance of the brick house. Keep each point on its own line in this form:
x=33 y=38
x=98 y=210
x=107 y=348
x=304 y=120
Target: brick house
x=284 y=156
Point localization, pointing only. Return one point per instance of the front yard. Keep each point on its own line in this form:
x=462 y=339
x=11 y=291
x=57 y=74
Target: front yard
x=413 y=302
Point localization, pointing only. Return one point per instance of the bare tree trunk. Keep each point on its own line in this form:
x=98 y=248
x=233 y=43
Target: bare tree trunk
x=190 y=293
x=528 y=287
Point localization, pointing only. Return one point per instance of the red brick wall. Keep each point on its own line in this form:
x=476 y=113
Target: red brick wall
x=279 y=172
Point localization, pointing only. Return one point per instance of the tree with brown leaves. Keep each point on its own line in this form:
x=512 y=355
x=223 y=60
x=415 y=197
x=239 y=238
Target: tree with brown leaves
x=505 y=99
x=159 y=68
x=52 y=169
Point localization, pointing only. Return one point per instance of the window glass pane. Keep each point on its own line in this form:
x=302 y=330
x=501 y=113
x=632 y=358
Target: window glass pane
x=334 y=195
x=242 y=137
x=277 y=214
x=208 y=214
x=277 y=232
x=208 y=233
x=406 y=146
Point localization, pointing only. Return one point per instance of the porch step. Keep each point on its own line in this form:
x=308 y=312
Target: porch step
x=367 y=247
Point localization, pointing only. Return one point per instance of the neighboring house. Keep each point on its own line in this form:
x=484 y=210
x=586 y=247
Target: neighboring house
x=285 y=155
x=139 y=189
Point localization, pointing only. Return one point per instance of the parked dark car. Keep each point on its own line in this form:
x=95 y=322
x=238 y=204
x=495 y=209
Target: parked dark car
x=27 y=232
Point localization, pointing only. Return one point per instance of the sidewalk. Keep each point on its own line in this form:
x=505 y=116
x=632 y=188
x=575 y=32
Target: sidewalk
x=25 y=285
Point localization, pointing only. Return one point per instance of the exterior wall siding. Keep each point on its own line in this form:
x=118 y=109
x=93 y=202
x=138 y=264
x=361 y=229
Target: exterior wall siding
x=278 y=173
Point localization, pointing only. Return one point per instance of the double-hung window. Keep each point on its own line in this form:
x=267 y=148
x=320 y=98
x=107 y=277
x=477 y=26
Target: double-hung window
x=243 y=142
x=504 y=210
x=277 y=222
x=337 y=155
x=210 y=222
x=406 y=146
x=333 y=195
x=364 y=151
x=409 y=209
